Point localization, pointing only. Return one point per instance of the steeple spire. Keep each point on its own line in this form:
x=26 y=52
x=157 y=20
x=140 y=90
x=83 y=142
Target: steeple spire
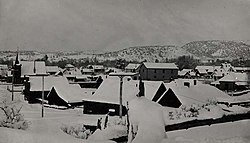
x=17 y=59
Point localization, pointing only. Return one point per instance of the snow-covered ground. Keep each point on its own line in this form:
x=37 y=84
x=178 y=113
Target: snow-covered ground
x=47 y=129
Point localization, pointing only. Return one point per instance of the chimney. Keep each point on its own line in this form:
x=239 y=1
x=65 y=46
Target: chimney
x=187 y=84
x=34 y=70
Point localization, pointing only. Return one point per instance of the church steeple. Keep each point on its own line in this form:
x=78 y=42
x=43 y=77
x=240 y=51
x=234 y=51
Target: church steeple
x=17 y=59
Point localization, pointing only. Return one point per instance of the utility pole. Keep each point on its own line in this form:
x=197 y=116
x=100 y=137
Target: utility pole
x=121 y=83
x=121 y=75
x=12 y=86
x=42 y=95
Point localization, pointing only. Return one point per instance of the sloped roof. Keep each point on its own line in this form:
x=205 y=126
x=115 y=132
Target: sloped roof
x=198 y=94
x=69 y=66
x=242 y=68
x=27 y=67
x=49 y=82
x=109 y=90
x=3 y=67
x=52 y=68
x=205 y=68
x=72 y=71
x=235 y=77
x=184 y=71
x=69 y=93
x=160 y=65
x=132 y=66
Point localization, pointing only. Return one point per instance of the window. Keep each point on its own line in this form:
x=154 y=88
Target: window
x=155 y=71
x=154 y=76
x=172 y=71
x=163 y=71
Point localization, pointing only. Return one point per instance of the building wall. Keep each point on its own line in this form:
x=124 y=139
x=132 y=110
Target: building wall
x=158 y=74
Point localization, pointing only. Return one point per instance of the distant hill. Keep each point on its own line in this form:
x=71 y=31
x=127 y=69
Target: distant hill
x=149 y=53
x=218 y=49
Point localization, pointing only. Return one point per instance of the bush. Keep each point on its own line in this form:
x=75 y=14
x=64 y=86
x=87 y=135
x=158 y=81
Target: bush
x=78 y=131
x=12 y=117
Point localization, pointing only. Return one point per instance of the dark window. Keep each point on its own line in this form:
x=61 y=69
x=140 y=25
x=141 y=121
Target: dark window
x=155 y=71
x=154 y=76
x=172 y=71
x=163 y=71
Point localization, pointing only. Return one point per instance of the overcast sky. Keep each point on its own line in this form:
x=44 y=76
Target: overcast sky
x=107 y=25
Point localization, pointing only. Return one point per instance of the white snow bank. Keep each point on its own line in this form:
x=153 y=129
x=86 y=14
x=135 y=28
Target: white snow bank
x=147 y=123
x=111 y=132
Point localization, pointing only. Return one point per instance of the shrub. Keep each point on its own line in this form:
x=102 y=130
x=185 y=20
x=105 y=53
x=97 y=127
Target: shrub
x=78 y=131
x=12 y=117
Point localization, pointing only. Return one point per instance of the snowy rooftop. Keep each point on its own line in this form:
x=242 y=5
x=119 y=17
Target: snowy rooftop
x=52 y=68
x=160 y=65
x=184 y=71
x=28 y=67
x=132 y=66
x=235 y=77
x=109 y=90
x=199 y=93
x=69 y=93
x=49 y=82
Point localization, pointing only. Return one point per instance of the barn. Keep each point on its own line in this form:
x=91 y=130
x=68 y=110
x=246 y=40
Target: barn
x=187 y=92
x=66 y=95
x=107 y=95
x=33 y=88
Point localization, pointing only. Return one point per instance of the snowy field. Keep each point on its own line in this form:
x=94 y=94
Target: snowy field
x=47 y=129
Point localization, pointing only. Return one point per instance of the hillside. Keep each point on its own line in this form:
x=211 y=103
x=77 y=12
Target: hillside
x=149 y=53
x=218 y=49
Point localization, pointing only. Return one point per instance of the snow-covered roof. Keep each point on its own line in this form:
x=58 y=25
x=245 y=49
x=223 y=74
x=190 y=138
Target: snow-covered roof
x=160 y=65
x=242 y=68
x=72 y=71
x=184 y=72
x=132 y=66
x=3 y=67
x=52 y=69
x=235 y=77
x=69 y=66
x=69 y=93
x=199 y=93
x=205 y=68
x=27 y=67
x=109 y=90
x=49 y=82
x=85 y=70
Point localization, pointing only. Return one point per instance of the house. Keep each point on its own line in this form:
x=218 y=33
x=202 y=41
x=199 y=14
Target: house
x=158 y=71
x=186 y=73
x=97 y=68
x=86 y=71
x=66 y=95
x=185 y=92
x=233 y=81
x=204 y=71
x=3 y=71
x=131 y=67
x=52 y=70
x=107 y=95
x=88 y=81
x=33 y=87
